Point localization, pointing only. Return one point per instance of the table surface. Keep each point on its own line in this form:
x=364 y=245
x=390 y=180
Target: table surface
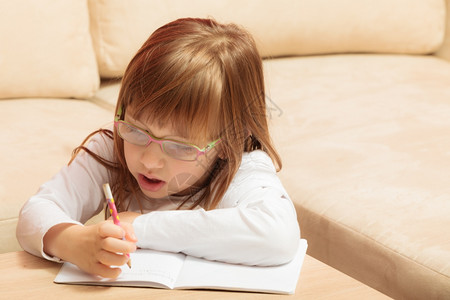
x=25 y=276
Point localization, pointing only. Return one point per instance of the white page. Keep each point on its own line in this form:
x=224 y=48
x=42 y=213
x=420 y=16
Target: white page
x=200 y=273
x=147 y=266
x=153 y=266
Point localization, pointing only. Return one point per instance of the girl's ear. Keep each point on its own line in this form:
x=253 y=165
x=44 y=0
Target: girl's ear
x=221 y=155
x=248 y=133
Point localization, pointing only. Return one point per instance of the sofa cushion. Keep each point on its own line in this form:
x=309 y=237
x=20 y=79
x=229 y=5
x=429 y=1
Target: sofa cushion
x=281 y=28
x=46 y=49
x=38 y=140
x=365 y=145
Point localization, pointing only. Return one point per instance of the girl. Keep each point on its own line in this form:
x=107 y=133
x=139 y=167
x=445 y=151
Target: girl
x=190 y=162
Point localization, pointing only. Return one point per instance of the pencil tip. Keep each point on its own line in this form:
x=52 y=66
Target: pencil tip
x=129 y=263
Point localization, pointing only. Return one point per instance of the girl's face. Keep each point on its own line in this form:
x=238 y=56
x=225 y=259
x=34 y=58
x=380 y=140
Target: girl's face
x=158 y=174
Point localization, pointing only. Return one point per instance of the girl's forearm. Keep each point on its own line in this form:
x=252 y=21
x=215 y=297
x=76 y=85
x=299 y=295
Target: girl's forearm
x=59 y=240
x=266 y=233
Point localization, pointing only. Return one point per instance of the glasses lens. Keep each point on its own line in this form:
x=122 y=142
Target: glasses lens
x=132 y=134
x=180 y=151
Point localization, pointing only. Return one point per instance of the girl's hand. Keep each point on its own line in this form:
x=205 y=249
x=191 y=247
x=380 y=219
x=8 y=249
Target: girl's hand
x=95 y=248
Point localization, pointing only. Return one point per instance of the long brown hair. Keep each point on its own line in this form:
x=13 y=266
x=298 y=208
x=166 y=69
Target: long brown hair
x=205 y=79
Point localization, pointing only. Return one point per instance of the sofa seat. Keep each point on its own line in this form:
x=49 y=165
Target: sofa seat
x=365 y=142
x=38 y=136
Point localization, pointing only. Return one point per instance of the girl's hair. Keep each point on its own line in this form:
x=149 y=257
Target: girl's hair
x=205 y=80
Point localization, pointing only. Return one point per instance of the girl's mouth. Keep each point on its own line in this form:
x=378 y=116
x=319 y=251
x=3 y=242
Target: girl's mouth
x=150 y=184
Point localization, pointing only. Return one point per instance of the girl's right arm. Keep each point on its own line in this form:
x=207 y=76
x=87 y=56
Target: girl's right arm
x=50 y=222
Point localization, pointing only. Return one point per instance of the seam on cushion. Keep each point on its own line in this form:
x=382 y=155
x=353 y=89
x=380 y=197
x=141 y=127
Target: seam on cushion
x=9 y=219
x=100 y=103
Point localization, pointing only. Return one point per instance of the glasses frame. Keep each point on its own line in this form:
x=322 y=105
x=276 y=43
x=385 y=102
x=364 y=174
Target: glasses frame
x=151 y=138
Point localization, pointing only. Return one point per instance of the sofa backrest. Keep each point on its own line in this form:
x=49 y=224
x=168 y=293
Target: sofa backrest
x=60 y=49
x=281 y=28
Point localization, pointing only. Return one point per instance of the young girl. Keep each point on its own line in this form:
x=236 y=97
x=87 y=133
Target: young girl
x=190 y=162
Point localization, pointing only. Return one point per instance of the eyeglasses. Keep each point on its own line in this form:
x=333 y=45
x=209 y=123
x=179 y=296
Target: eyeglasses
x=175 y=149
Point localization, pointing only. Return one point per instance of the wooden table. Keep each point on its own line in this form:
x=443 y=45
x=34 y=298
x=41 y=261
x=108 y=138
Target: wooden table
x=24 y=276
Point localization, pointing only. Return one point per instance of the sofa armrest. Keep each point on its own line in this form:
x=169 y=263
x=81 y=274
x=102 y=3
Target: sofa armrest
x=444 y=51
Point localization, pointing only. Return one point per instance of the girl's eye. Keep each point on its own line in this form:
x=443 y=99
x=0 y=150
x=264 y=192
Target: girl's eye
x=179 y=150
x=129 y=129
x=182 y=148
x=132 y=134
x=132 y=130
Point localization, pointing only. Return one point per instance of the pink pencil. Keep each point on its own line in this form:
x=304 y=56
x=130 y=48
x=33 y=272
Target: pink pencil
x=113 y=211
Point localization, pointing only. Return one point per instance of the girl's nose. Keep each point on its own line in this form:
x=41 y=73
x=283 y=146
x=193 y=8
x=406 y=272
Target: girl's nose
x=152 y=156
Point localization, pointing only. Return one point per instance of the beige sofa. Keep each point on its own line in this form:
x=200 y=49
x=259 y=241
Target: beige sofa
x=359 y=103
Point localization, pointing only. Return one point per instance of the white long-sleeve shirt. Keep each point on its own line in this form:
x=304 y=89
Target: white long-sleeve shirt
x=255 y=222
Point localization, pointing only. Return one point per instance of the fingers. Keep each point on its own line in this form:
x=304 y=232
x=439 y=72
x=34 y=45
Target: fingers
x=117 y=245
x=111 y=259
x=129 y=232
x=125 y=230
x=106 y=271
x=108 y=229
x=112 y=237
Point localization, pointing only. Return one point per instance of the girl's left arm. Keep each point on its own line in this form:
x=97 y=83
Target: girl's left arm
x=256 y=224
x=263 y=232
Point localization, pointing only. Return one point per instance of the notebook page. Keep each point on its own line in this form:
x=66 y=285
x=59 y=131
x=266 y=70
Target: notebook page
x=200 y=273
x=153 y=266
x=148 y=267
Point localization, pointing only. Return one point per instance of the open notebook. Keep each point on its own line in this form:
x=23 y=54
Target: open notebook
x=178 y=271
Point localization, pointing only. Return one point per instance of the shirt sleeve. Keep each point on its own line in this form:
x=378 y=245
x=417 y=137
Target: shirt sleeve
x=255 y=223
x=73 y=195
